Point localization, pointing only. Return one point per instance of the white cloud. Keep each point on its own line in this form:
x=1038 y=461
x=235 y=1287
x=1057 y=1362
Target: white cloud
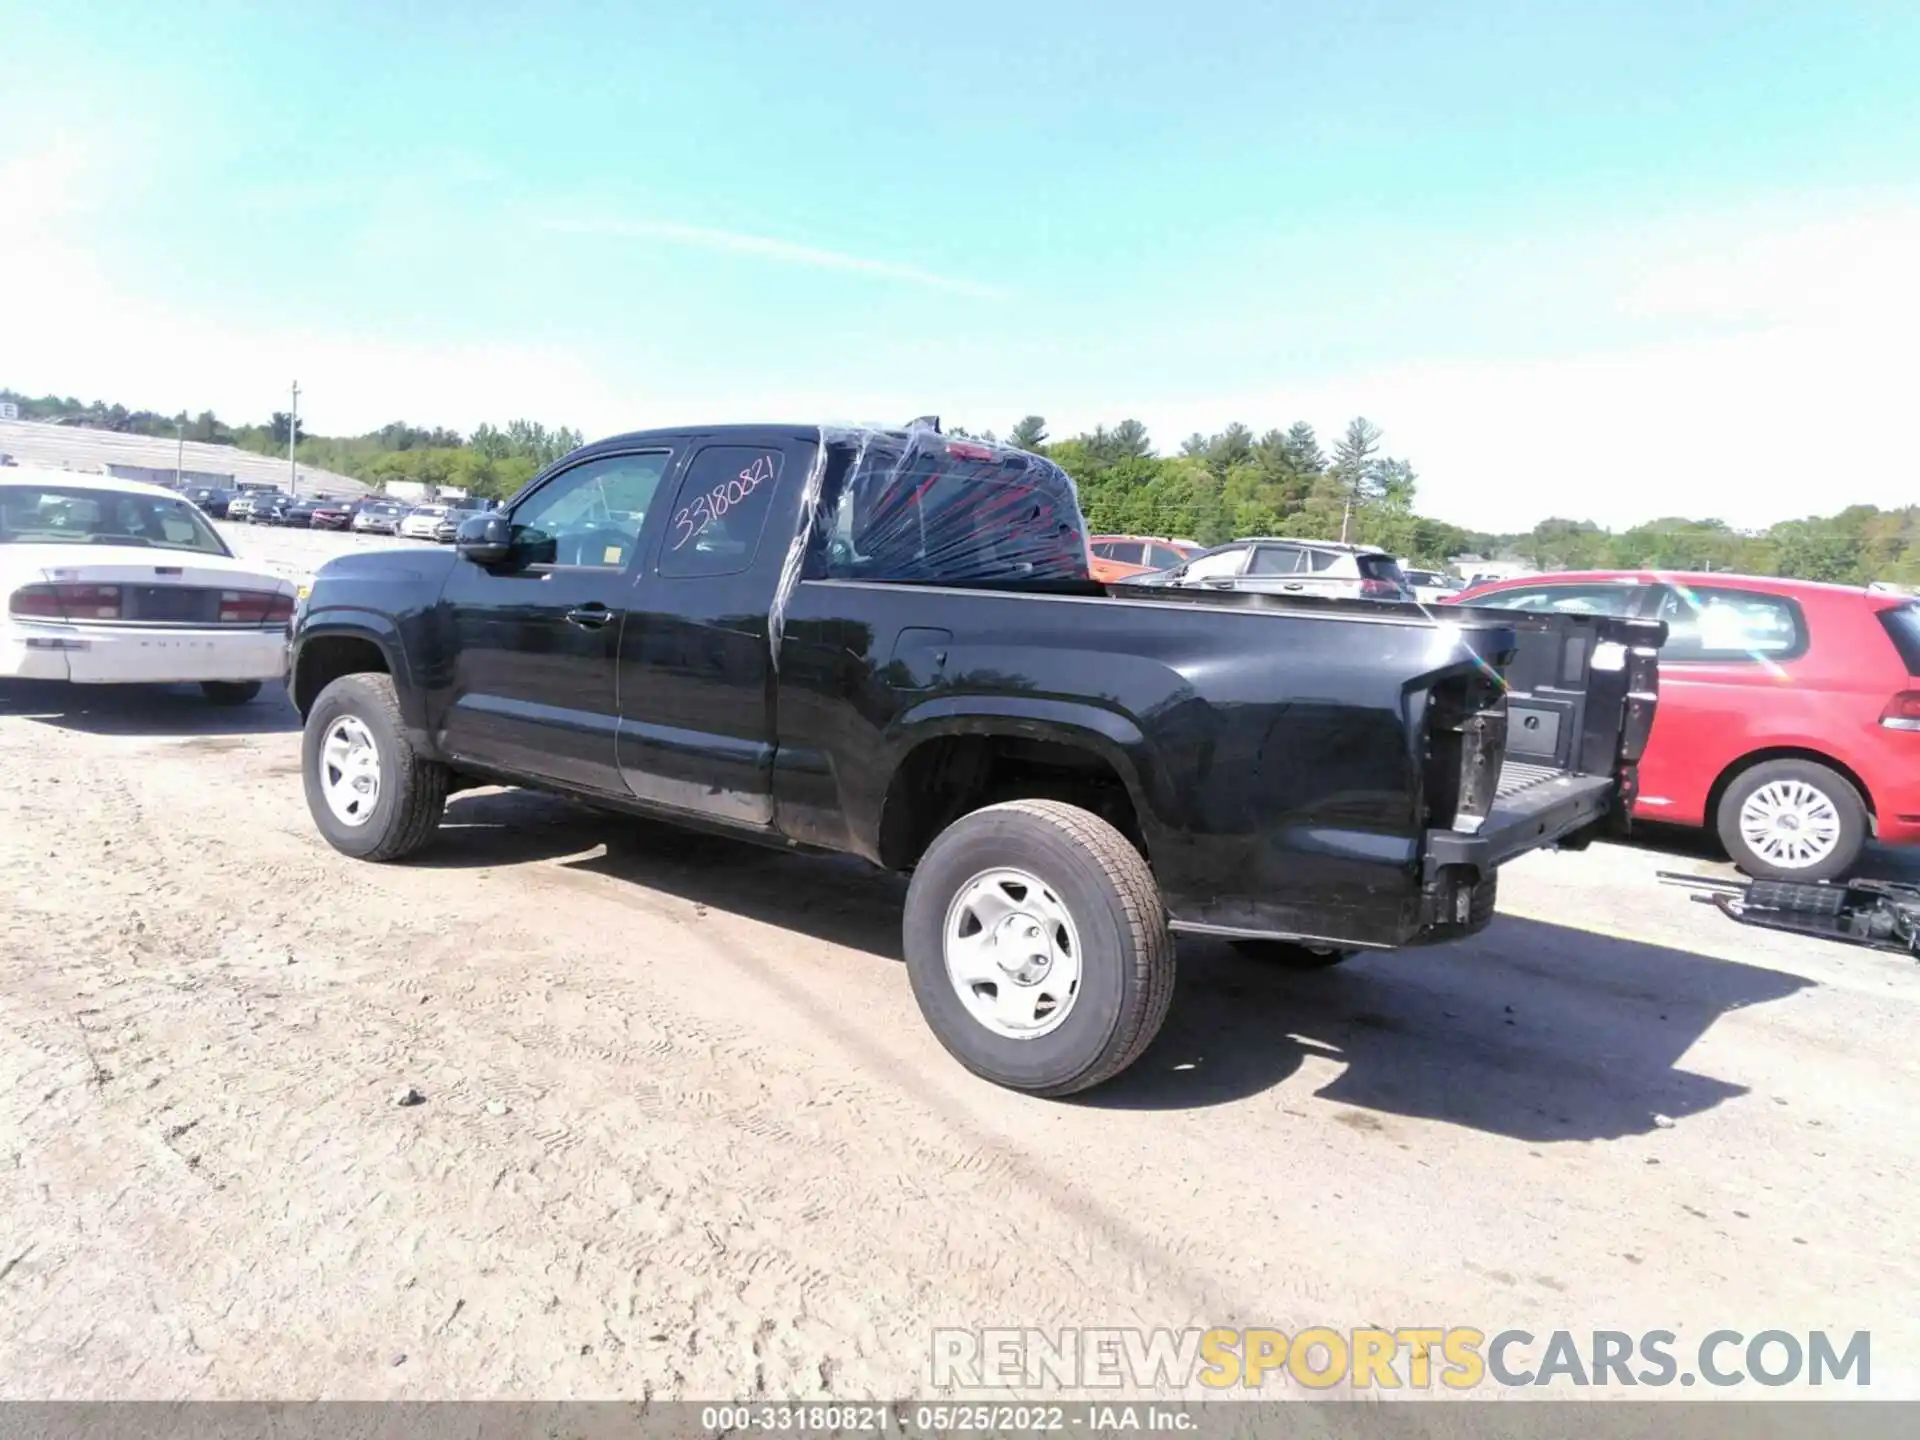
x=67 y=327
x=1787 y=393
x=1773 y=376
x=781 y=251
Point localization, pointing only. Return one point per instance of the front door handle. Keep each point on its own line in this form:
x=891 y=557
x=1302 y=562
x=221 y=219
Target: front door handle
x=589 y=617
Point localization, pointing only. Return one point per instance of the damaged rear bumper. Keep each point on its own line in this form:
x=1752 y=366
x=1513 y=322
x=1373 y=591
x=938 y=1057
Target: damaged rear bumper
x=1535 y=809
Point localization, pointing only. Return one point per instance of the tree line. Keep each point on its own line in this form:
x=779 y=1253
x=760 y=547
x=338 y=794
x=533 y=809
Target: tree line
x=1215 y=487
x=494 y=461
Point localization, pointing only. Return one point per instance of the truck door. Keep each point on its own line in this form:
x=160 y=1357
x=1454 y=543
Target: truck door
x=696 y=730
x=536 y=638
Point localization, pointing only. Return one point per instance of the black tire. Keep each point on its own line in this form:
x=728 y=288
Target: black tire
x=1847 y=805
x=413 y=790
x=1127 y=953
x=229 y=692
x=1291 y=955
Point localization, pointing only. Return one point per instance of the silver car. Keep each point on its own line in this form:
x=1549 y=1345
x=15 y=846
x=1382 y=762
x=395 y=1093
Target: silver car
x=1281 y=566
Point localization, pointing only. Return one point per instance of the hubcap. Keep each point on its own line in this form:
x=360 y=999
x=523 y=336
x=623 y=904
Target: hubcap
x=1790 y=823
x=350 y=770
x=1013 y=953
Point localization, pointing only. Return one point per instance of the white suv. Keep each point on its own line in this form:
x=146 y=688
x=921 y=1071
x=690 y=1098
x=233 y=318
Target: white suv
x=1292 y=567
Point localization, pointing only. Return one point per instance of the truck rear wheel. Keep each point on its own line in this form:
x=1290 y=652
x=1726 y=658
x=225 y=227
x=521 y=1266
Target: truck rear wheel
x=1037 y=946
x=371 y=794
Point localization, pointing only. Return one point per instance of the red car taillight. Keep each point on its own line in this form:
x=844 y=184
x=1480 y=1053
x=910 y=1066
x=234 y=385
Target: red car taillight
x=1903 y=711
x=66 y=602
x=254 y=607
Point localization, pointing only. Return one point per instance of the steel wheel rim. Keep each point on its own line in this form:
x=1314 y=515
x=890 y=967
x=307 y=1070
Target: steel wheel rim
x=1792 y=824
x=350 y=771
x=1012 y=953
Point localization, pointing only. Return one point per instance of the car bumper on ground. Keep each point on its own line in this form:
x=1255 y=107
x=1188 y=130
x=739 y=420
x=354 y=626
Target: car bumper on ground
x=138 y=655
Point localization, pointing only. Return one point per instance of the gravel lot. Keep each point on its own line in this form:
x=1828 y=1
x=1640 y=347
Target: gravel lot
x=684 y=1134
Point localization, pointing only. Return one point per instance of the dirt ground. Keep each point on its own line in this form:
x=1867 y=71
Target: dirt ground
x=684 y=1135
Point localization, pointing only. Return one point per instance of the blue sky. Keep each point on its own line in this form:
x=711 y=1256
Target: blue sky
x=1585 y=264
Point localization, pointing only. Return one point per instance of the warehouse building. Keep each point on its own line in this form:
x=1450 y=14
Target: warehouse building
x=156 y=459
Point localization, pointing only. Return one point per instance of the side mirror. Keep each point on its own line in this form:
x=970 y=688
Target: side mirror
x=484 y=539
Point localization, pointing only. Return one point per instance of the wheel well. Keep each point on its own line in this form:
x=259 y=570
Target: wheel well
x=1783 y=752
x=325 y=658
x=943 y=779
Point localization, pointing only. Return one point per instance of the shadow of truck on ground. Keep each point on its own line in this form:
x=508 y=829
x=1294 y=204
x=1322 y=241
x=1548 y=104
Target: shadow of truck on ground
x=1530 y=1030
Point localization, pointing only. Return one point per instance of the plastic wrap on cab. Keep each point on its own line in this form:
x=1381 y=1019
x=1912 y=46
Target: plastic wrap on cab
x=919 y=507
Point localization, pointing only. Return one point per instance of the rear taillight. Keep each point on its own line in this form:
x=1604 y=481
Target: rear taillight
x=254 y=607
x=1903 y=711
x=66 y=602
x=1380 y=590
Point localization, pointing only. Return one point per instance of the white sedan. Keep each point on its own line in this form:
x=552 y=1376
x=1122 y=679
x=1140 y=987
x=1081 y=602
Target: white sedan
x=115 y=582
x=421 y=522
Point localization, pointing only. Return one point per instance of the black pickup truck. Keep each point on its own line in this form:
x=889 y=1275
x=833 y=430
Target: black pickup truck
x=886 y=643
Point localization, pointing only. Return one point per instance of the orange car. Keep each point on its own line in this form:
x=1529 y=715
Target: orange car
x=1121 y=557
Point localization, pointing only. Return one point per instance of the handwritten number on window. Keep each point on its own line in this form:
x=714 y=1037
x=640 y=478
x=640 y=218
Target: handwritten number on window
x=692 y=520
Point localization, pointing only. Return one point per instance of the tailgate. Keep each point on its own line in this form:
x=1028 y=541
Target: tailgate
x=1578 y=707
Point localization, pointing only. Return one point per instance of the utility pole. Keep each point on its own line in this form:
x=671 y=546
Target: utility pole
x=293 y=433
x=180 y=449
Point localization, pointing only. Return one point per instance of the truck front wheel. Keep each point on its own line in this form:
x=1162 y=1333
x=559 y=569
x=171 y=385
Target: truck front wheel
x=371 y=794
x=1037 y=946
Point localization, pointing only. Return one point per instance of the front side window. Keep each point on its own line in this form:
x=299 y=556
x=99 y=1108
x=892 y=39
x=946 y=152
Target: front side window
x=1221 y=562
x=1713 y=623
x=1564 y=599
x=1163 y=557
x=62 y=515
x=590 y=515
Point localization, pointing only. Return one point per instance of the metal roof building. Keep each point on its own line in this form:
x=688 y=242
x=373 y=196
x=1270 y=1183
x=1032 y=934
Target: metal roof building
x=154 y=458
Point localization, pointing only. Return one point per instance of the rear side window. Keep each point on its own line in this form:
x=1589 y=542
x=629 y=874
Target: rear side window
x=1712 y=623
x=919 y=508
x=1902 y=624
x=714 y=525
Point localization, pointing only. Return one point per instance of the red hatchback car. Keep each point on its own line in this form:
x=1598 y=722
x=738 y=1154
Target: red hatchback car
x=1789 y=717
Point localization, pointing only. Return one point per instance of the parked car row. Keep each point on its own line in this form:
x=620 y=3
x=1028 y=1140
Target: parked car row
x=372 y=516
x=1270 y=564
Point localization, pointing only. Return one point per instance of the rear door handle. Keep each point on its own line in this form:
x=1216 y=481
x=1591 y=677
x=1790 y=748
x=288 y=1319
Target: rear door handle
x=589 y=617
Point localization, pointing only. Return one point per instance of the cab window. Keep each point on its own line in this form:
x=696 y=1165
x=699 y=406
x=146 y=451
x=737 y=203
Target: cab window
x=590 y=515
